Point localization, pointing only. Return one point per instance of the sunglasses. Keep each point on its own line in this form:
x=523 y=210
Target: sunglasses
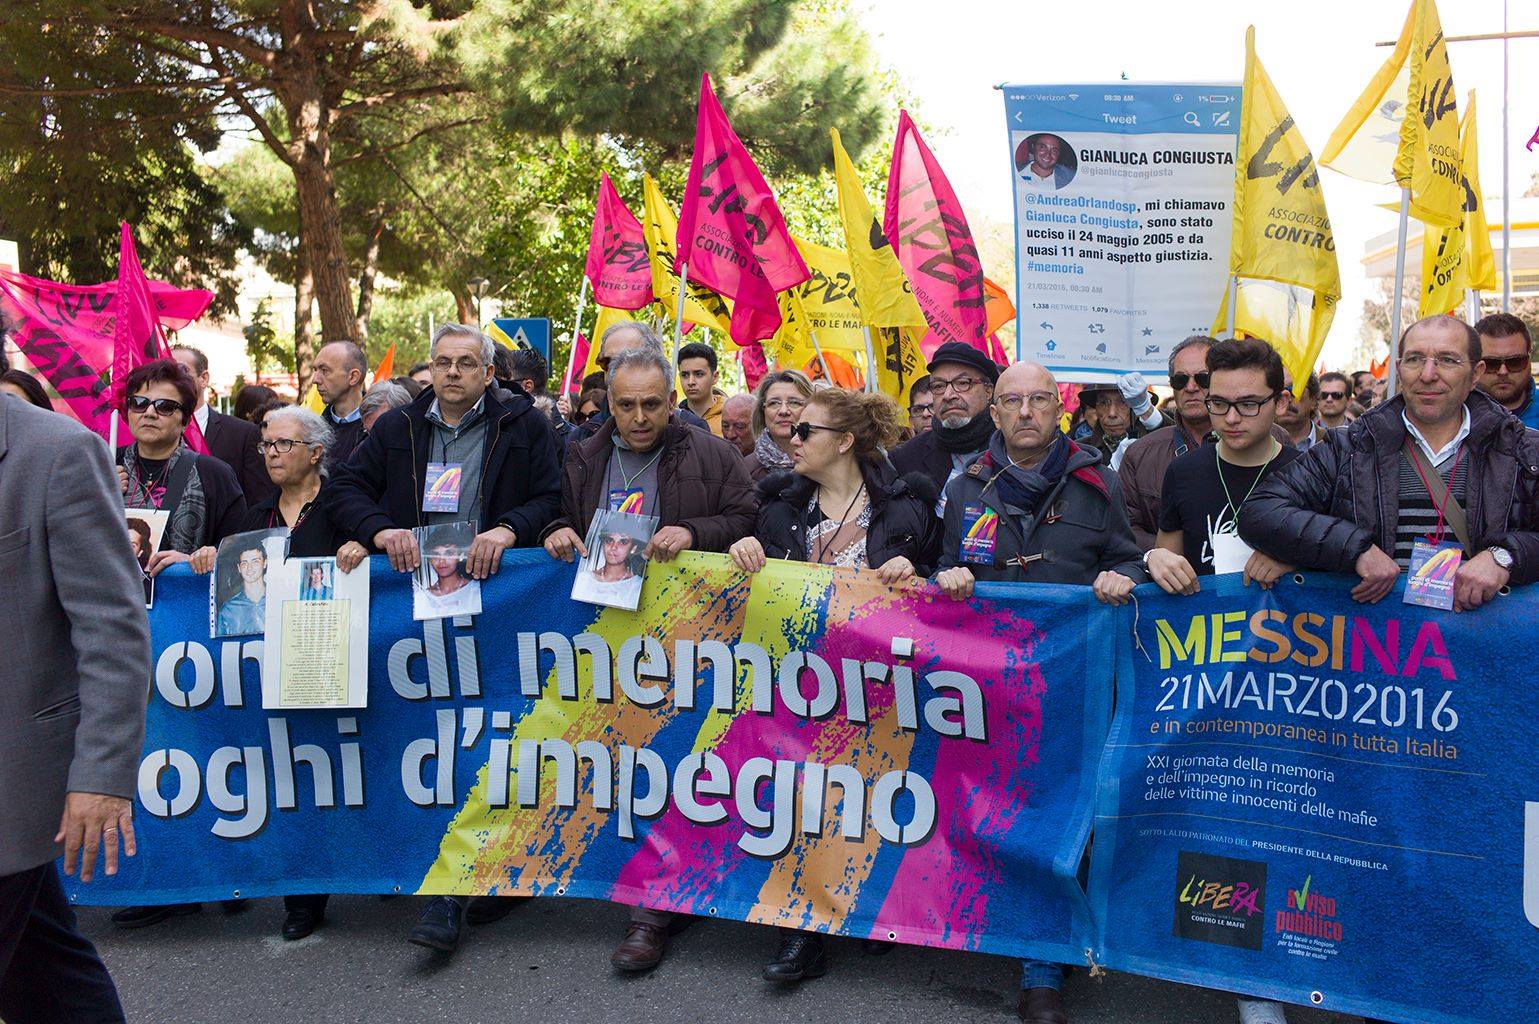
x=1178 y=381
x=164 y=406
x=804 y=430
x=1332 y=396
x=1512 y=364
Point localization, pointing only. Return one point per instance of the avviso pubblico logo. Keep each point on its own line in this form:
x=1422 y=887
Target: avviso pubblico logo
x=1220 y=900
x=1308 y=925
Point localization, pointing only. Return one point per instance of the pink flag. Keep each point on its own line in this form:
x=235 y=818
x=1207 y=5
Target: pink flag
x=579 y=359
x=935 y=247
x=1534 y=141
x=732 y=236
x=618 y=266
x=755 y=366
x=67 y=333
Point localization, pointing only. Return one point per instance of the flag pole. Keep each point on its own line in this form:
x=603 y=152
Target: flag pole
x=571 y=359
x=678 y=313
x=112 y=435
x=870 y=360
x=1506 y=183
x=1394 y=308
x=1473 y=310
x=1234 y=300
x=828 y=374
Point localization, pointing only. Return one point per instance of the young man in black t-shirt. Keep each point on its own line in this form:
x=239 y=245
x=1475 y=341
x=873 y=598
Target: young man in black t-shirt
x=1205 y=488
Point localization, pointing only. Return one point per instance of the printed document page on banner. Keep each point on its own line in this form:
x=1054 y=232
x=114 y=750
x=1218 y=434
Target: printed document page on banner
x=1122 y=220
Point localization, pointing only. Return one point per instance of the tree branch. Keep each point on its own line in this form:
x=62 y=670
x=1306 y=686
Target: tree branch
x=213 y=38
x=118 y=90
x=396 y=95
x=367 y=154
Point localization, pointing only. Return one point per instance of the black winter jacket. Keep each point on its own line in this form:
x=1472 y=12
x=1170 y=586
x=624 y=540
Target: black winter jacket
x=902 y=517
x=380 y=487
x=1082 y=531
x=1326 y=508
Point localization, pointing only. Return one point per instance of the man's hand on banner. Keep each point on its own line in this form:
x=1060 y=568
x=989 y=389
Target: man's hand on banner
x=92 y=823
x=1478 y=581
x=401 y=547
x=748 y=554
x=956 y=583
x=160 y=559
x=486 y=551
x=1113 y=588
x=563 y=542
x=896 y=570
x=351 y=555
x=1171 y=571
x=1264 y=570
x=669 y=541
x=1378 y=572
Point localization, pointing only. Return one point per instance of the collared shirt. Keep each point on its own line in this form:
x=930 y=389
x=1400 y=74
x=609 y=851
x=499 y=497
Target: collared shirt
x=356 y=414
x=1303 y=444
x=465 y=443
x=200 y=417
x=1446 y=452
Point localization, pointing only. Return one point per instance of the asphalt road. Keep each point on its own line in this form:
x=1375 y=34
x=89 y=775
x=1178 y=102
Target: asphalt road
x=549 y=961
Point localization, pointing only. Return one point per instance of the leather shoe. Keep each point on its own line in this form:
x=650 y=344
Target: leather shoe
x=143 y=917
x=642 y=948
x=1041 y=1006
x=299 y=923
x=486 y=909
x=800 y=956
x=439 y=926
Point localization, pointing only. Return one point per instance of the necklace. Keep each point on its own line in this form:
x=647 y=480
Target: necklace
x=826 y=541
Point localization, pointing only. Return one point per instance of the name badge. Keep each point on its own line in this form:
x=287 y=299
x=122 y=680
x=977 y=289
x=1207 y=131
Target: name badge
x=1430 y=582
x=979 y=527
x=442 y=492
x=628 y=501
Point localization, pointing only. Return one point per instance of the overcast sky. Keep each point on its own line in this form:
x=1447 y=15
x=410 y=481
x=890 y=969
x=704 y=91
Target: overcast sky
x=1319 y=53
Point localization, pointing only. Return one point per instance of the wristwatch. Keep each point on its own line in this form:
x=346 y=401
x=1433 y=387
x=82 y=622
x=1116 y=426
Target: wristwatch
x=1502 y=557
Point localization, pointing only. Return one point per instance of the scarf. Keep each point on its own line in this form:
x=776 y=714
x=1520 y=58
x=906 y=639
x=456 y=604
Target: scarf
x=972 y=436
x=769 y=454
x=1024 y=487
x=184 y=532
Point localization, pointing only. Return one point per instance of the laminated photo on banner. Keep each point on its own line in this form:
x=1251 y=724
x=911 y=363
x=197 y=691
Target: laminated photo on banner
x=442 y=587
x=237 y=588
x=1122 y=220
x=145 y=528
x=615 y=567
x=315 y=652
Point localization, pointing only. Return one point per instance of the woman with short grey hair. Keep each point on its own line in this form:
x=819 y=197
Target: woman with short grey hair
x=380 y=399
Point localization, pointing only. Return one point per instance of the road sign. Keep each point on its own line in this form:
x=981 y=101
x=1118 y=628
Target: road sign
x=524 y=332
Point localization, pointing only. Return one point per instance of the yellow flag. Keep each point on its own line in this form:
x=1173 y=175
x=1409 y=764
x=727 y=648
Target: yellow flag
x=1448 y=254
x=1409 y=109
x=607 y=318
x=660 y=225
x=828 y=304
x=313 y=401
x=886 y=297
x=791 y=345
x=1281 y=245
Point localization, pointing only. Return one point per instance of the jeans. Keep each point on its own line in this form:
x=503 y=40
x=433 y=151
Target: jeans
x=49 y=972
x=1041 y=974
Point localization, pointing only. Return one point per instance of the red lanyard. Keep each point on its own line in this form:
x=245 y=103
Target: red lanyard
x=272 y=517
x=1447 y=494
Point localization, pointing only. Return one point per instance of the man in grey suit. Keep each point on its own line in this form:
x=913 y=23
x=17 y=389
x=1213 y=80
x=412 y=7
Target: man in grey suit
x=73 y=686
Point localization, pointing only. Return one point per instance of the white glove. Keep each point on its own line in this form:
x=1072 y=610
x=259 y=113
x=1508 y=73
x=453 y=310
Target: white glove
x=1135 y=391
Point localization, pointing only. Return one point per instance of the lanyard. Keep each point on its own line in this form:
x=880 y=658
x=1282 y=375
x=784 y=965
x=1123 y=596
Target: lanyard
x=626 y=481
x=272 y=517
x=149 y=488
x=1447 y=492
x=1233 y=508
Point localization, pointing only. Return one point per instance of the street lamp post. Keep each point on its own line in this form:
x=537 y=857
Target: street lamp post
x=478 y=286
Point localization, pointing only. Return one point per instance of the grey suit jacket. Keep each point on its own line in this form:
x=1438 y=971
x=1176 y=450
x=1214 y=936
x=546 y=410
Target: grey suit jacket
x=75 y=672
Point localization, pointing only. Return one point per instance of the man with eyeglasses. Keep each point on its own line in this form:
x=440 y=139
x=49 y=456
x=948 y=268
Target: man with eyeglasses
x=921 y=406
x=643 y=460
x=1114 y=413
x=962 y=386
x=617 y=338
x=1335 y=399
x=1298 y=414
x=1143 y=463
x=1399 y=480
x=1037 y=507
x=1505 y=349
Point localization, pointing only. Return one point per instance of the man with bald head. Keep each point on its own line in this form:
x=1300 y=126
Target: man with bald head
x=1440 y=463
x=339 y=373
x=736 y=423
x=1033 y=490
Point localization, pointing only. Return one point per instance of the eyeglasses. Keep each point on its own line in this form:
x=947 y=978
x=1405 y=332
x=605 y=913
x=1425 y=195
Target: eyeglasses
x=1246 y=407
x=163 y=406
x=1416 y=360
x=778 y=404
x=1037 y=400
x=283 y=445
x=1512 y=364
x=615 y=538
x=1178 y=381
x=804 y=430
x=961 y=385
x=1332 y=396
x=466 y=365
x=922 y=409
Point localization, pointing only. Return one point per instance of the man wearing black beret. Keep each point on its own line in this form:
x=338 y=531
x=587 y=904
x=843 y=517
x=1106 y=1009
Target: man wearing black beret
x=962 y=383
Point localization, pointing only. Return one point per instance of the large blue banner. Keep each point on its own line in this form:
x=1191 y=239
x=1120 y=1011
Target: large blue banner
x=1324 y=802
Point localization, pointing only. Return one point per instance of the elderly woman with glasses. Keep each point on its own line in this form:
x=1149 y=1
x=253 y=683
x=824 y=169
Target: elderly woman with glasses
x=778 y=402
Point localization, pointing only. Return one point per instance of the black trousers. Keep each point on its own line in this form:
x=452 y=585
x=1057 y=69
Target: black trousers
x=49 y=972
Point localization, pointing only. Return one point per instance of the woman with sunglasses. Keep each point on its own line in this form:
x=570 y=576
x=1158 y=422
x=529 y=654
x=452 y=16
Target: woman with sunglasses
x=842 y=504
x=294 y=445
x=778 y=402
x=159 y=471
